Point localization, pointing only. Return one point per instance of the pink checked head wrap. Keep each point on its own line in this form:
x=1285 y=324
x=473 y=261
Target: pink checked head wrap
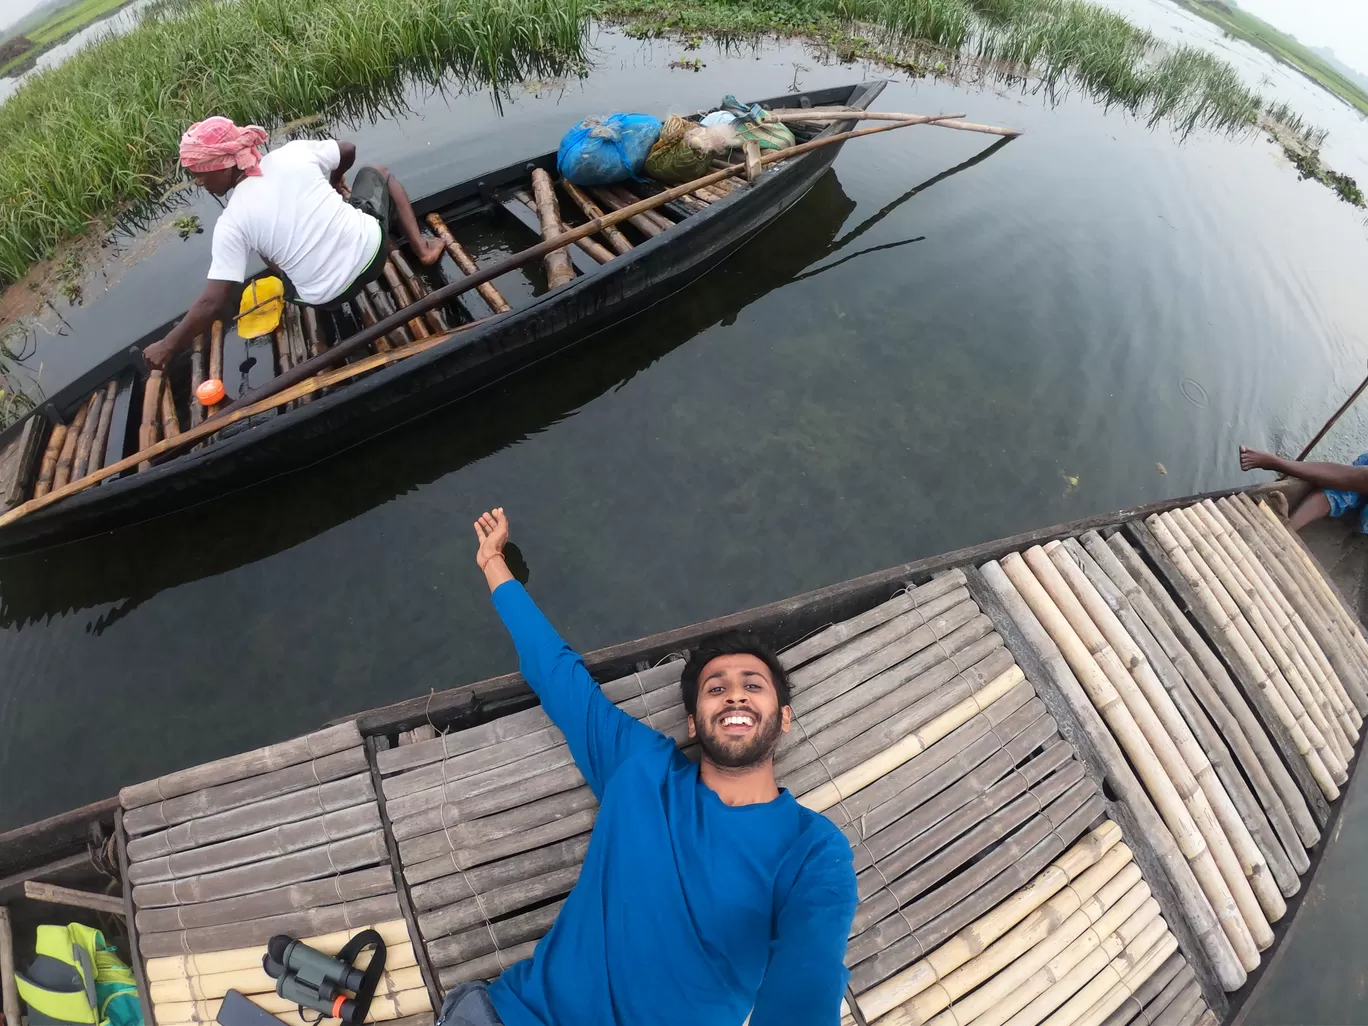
x=216 y=143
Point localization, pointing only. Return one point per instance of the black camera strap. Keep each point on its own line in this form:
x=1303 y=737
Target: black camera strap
x=370 y=978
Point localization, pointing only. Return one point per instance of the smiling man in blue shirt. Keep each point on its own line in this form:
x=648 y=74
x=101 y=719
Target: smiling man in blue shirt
x=707 y=893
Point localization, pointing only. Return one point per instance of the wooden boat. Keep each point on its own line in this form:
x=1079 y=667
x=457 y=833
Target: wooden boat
x=1020 y=848
x=108 y=414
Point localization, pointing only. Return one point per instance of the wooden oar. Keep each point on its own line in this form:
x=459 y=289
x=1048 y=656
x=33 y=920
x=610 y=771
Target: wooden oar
x=1331 y=422
x=285 y=387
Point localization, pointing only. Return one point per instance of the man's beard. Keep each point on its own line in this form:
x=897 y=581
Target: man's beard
x=741 y=753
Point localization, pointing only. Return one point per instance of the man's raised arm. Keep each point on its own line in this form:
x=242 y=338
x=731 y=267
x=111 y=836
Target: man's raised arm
x=600 y=735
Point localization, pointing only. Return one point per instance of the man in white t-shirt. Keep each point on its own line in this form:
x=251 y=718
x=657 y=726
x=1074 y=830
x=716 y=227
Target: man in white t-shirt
x=287 y=206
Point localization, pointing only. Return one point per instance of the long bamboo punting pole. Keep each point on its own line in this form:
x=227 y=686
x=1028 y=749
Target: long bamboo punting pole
x=592 y=211
x=1306 y=450
x=1217 y=690
x=1045 y=599
x=1306 y=611
x=1310 y=662
x=268 y=396
x=820 y=114
x=48 y=469
x=490 y=294
x=1203 y=581
x=1272 y=647
x=1001 y=966
x=1055 y=894
x=68 y=454
x=559 y=270
x=1103 y=694
x=1337 y=647
x=101 y=441
x=1285 y=541
x=1250 y=813
x=1237 y=856
x=87 y=437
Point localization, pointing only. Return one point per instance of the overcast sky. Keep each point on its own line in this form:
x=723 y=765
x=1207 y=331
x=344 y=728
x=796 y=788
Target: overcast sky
x=1340 y=24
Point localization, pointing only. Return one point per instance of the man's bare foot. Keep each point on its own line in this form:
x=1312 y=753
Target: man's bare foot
x=1254 y=459
x=431 y=252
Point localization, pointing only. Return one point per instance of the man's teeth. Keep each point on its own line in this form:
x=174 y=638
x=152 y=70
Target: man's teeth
x=738 y=719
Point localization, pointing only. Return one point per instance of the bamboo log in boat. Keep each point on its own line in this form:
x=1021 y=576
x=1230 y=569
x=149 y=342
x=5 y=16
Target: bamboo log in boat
x=656 y=216
x=897 y=942
x=443 y=815
x=1015 y=955
x=482 y=940
x=1262 y=638
x=281 y=343
x=87 y=438
x=313 y=332
x=418 y=288
x=293 y=324
x=48 y=469
x=1199 y=597
x=487 y=967
x=592 y=210
x=1039 y=583
x=1310 y=662
x=68 y=454
x=101 y=441
x=1217 y=691
x=1234 y=800
x=392 y=982
x=356 y=852
x=215 y=361
x=197 y=376
x=295 y=752
x=600 y=253
x=557 y=262
x=1174 y=966
x=1232 y=719
x=1193 y=911
x=176 y=970
x=462 y=884
x=753 y=167
x=1242 y=639
x=403 y=299
x=1286 y=542
x=431 y=770
x=384 y=308
x=169 y=421
x=259 y=931
x=1173 y=1011
x=532 y=825
x=296 y=897
x=329 y=796
x=640 y=222
x=1106 y=992
x=958 y=752
x=1173 y=743
x=147 y=431
x=487 y=291
x=1312 y=622
x=497 y=901
x=364 y=302
x=281 y=839
x=454 y=791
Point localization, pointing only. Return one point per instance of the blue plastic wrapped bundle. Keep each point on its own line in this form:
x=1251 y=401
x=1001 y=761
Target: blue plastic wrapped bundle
x=604 y=150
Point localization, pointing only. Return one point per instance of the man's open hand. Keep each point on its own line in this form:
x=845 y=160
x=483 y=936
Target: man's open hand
x=492 y=531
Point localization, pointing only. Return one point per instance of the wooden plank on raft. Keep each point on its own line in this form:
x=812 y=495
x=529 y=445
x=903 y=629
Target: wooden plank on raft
x=493 y=299
x=1203 y=616
x=232 y=768
x=20 y=460
x=435 y=994
x=1181 y=899
x=136 y=956
x=56 y=895
x=557 y=262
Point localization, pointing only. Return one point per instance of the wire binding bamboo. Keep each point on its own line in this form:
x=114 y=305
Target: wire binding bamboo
x=1218 y=690
x=1237 y=856
x=1029 y=581
x=1233 y=720
x=1242 y=805
x=1264 y=641
x=1203 y=581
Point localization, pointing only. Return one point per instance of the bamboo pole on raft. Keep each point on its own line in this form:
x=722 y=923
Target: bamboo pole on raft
x=487 y=291
x=592 y=211
x=64 y=461
x=557 y=261
x=48 y=469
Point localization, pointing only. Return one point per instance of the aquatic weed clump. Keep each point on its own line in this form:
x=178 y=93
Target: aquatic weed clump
x=80 y=141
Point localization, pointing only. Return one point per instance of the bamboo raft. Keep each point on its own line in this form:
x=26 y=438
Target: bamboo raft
x=1084 y=774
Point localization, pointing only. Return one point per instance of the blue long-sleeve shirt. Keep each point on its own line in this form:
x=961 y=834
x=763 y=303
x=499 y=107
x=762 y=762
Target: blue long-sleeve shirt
x=687 y=910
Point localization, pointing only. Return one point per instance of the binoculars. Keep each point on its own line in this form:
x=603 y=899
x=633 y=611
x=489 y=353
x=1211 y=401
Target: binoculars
x=326 y=983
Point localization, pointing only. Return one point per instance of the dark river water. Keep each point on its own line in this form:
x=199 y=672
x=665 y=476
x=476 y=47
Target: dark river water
x=947 y=341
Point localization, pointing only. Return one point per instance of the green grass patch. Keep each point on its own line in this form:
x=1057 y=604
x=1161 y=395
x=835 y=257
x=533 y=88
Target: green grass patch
x=1255 y=31
x=63 y=24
